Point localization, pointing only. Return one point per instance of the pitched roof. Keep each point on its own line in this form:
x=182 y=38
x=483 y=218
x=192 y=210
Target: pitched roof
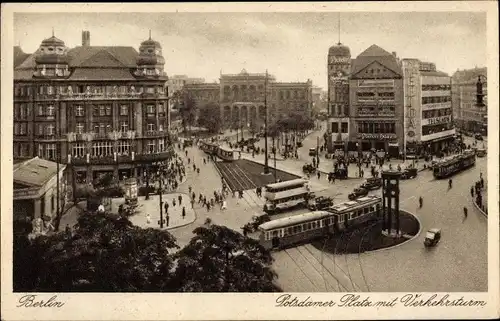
x=434 y=73
x=19 y=56
x=82 y=55
x=372 y=54
x=35 y=172
x=374 y=51
x=102 y=74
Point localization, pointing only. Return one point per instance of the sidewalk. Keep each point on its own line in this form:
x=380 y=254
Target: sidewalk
x=152 y=207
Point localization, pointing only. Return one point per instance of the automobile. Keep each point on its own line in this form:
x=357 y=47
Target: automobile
x=252 y=141
x=308 y=169
x=432 y=237
x=481 y=152
x=320 y=203
x=478 y=137
x=256 y=221
x=372 y=183
x=358 y=192
x=299 y=144
x=312 y=151
x=409 y=173
x=188 y=142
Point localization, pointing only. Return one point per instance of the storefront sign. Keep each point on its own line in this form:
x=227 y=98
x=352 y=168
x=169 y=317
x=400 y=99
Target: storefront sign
x=439 y=120
x=377 y=136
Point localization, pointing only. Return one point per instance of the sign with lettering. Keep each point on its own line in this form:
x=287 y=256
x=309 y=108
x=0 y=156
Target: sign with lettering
x=340 y=60
x=439 y=120
x=377 y=136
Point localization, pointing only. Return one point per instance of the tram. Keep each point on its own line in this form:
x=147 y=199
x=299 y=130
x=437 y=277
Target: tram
x=226 y=154
x=209 y=148
x=454 y=164
x=301 y=228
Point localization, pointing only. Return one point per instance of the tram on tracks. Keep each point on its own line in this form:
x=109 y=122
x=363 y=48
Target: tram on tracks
x=454 y=164
x=208 y=147
x=226 y=154
x=306 y=227
x=285 y=195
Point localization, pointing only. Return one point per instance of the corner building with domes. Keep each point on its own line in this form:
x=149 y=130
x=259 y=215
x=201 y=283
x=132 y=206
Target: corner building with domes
x=96 y=109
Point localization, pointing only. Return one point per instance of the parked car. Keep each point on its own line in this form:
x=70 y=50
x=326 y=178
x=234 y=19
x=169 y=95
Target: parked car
x=358 y=192
x=432 y=237
x=409 y=173
x=372 y=183
x=312 y=151
x=340 y=173
x=320 y=203
x=188 y=142
x=478 y=137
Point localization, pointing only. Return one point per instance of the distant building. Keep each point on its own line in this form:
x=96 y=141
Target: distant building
x=98 y=109
x=241 y=98
x=428 y=113
x=177 y=82
x=35 y=188
x=376 y=102
x=467 y=114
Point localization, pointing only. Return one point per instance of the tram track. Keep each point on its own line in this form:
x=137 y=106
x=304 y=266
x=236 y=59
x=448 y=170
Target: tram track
x=286 y=251
x=359 y=253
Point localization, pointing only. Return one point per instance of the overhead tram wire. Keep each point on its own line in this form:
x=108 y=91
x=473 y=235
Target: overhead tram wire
x=359 y=253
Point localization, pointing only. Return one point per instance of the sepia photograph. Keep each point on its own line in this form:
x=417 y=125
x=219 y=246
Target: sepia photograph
x=251 y=151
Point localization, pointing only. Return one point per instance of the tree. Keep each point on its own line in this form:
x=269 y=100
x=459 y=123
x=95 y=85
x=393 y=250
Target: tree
x=105 y=253
x=209 y=117
x=219 y=259
x=186 y=105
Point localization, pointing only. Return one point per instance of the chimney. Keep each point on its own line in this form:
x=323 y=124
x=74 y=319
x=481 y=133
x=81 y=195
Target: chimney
x=85 y=38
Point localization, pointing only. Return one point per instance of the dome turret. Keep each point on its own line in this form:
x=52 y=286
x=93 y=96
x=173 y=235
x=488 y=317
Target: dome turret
x=52 y=51
x=339 y=50
x=150 y=60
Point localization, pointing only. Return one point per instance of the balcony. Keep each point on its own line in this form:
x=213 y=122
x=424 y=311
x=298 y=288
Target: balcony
x=155 y=133
x=153 y=157
x=100 y=96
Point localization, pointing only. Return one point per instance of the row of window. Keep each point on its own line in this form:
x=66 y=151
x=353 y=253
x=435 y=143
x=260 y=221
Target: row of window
x=20 y=128
x=378 y=109
x=376 y=128
x=304 y=227
x=436 y=113
x=339 y=110
x=343 y=127
x=436 y=87
x=26 y=90
x=244 y=93
x=436 y=100
x=372 y=95
x=106 y=148
x=23 y=112
x=432 y=129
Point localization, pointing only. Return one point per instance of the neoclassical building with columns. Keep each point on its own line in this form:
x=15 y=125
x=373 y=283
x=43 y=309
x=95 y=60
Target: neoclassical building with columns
x=242 y=102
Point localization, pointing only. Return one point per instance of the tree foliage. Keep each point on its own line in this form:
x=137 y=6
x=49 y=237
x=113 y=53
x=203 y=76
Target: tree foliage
x=209 y=117
x=218 y=259
x=106 y=253
x=186 y=105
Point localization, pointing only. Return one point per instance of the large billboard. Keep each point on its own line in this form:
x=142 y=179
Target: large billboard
x=412 y=110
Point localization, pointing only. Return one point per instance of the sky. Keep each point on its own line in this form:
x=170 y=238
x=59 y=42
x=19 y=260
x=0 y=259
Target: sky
x=291 y=46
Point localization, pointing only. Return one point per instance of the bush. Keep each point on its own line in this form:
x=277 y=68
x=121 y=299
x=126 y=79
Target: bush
x=112 y=191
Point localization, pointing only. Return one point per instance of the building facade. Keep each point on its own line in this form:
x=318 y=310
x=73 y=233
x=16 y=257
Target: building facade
x=339 y=70
x=35 y=189
x=376 y=102
x=428 y=112
x=242 y=99
x=467 y=113
x=97 y=109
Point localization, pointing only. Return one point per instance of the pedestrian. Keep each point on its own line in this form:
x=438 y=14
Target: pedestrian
x=190 y=189
x=166 y=207
x=465 y=212
x=68 y=230
x=173 y=202
x=224 y=205
x=183 y=212
x=167 y=219
x=319 y=174
x=200 y=199
x=450 y=183
x=194 y=167
x=192 y=203
x=148 y=218
x=186 y=153
x=208 y=206
x=472 y=191
x=198 y=171
x=193 y=196
x=204 y=161
x=180 y=199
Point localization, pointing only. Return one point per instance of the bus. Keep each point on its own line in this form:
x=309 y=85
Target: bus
x=285 y=195
x=454 y=164
x=306 y=227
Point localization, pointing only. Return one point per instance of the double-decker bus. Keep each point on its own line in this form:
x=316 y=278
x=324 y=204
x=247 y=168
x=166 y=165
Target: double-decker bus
x=454 y=164
x=302 y=228
x=285 y=195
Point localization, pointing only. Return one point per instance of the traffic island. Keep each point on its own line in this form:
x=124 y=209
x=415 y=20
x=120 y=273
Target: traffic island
x=369 y=236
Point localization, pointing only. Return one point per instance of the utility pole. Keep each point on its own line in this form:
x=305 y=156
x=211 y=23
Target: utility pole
x=58 y=158
x=266 y=160
x=274 y=152
x=317 y=152
x=161 y=201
